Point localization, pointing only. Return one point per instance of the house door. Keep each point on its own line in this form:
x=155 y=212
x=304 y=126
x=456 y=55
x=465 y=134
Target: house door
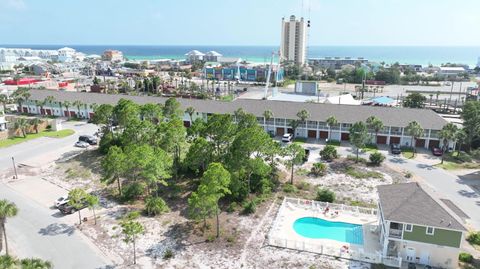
x=312 y=134
x=280 y=131
x=425 y=258
x=410 y=255
x=323 y=135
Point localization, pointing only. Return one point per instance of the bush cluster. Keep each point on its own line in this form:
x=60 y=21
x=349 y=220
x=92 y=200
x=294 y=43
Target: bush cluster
x=325 y=195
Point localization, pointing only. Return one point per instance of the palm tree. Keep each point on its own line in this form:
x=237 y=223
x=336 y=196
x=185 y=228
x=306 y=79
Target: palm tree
x=447 y=134
x=49 y=100
x=331 y=121
x=78 y=104
x=67 y=105
x=21 y=95
x=460 y=137
x=303 y=116
x=7 y=210
x=34 y=263
x=294 y=124
x=267 y=115
x=415 y=131
x=40 y=104
x=4 y=100
x=8 y=262
x=22 y=124
x=35 y=122
x=375 y=124
x=190 y=110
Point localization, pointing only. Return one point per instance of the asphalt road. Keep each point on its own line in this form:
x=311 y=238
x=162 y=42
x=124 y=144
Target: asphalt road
x=42 y=150
x=37 y=231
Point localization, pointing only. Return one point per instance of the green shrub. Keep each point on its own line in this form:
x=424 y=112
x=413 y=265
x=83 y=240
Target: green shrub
x=465 y=257
x=300 y=139
x=328 y=153
x=302 y=185
x=408 y=174
x=333 y=143
x=168 y=254
x=475 y=154
x=155 y=206
x=354 y=158
x=289 y=188
x=211 y=238
x=133 y=191
x=319 y=169
x=232 y=207
x=370 y=146
x=325 y=195
x=463 y=157
x=376 y=158
x=474 y=238
x=362 y=174
x=249 y=207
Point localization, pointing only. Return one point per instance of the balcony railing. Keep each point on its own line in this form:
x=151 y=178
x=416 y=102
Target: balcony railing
x=394 y=233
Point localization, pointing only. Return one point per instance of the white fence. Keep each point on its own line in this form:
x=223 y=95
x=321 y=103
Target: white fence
x=345 y=253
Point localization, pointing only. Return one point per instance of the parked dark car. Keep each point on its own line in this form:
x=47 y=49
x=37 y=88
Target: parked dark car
x=90 y=139
x=68 y=209
x=437 y=151
x=395 y=149
x=411 y=265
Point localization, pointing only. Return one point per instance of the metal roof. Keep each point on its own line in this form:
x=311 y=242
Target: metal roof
x=390 y=116
x=410 y=203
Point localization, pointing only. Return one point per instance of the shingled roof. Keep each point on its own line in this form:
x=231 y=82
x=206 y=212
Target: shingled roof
x=390 y=116
x=410 y=203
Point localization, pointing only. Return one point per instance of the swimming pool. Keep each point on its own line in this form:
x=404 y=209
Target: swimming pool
x=317 y=228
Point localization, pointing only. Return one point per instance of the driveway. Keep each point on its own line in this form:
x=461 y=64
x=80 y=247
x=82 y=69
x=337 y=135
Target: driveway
x=462 y=190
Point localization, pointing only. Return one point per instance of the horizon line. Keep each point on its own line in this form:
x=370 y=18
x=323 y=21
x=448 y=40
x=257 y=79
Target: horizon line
x=224 y=45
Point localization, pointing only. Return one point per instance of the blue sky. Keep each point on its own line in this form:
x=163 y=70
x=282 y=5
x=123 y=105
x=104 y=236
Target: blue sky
x=243 y=22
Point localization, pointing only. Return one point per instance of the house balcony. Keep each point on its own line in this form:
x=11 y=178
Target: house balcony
x=394 y=233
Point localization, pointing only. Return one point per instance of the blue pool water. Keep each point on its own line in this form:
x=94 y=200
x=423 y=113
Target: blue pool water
x=319 y=228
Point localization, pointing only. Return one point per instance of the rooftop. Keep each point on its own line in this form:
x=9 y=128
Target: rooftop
x=410 y=203
x=398 y=117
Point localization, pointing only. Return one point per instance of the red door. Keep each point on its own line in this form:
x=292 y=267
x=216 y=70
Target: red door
x=420 y=143
x=312 y=134
x=323 y=134
x=345 y=136
x=280 y=131
x=381 y=140
x=49 y=112
x=25 y=110
x=65 y=113
x=434 y=144
x=394 y=140
x=91 y=115
x=73 y=114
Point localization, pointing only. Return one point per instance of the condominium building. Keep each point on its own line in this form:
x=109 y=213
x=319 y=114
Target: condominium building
x=113 y=55
x=316 y=127
x=294 y=40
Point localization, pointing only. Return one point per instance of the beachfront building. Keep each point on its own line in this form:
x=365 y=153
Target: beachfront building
x=417 y=227
x=336 y=62
x=243 y=73
x=194 y=56
x=212 y=56
x=66 y=55
x=293 y=46
x=394 y=119
x=450 y=71
x=113 y=55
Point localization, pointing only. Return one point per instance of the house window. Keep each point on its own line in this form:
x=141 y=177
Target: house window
x=408 y=227
x=430 y=230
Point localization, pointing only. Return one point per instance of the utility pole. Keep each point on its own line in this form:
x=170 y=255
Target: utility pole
x=14 y=168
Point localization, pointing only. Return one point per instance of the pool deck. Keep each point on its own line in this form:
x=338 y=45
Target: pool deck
x=282 y=233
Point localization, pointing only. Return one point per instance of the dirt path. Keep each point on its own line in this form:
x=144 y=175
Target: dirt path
x=255 y=232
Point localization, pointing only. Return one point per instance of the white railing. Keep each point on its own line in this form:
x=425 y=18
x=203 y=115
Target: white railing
x=332 y=206
x=343 y=252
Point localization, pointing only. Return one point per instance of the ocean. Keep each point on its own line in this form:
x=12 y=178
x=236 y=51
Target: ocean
x=423 y=55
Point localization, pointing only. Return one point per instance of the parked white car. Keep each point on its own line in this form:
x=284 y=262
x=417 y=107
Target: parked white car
x=81 y=144
x=287 y=138
x=61 y=201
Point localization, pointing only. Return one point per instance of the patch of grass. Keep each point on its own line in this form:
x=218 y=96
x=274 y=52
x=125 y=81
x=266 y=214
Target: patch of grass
x=362 y=204
x=227 y=98
x=407 y=152
x=362 y=174
x=300 y=139
x=302 y=185
x=289 y=188
x=370 y=148
x=354 y=158
x=302 y=172
x=20 y=139
x=455 y=161
x=333 y=142
x=78 y=172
